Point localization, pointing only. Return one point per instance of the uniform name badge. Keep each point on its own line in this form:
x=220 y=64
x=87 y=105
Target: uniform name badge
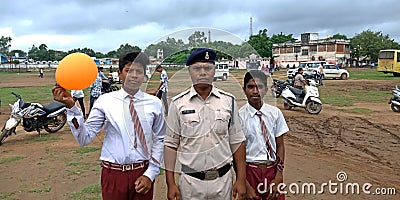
x=184 y=112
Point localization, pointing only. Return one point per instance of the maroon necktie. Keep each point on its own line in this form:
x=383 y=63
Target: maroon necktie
x=138 y=129
x=137 y=126
x=265 y=133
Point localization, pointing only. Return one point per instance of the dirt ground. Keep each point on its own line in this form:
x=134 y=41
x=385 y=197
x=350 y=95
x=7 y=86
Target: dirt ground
x=366 y=147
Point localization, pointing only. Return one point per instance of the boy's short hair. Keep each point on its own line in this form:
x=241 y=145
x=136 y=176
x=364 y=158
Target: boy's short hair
x=158 y=66
x=133 y=56
x=255 y=74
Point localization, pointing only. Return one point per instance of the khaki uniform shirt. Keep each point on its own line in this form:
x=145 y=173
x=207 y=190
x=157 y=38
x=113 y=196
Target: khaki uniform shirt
x=201 y=128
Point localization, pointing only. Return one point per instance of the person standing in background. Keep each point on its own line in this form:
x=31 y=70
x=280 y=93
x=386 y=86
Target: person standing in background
x=79 y=95
x=95 y=91
x=162 y=88
x=41 y=72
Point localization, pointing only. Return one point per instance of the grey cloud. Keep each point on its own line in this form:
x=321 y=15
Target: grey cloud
x=90 y=18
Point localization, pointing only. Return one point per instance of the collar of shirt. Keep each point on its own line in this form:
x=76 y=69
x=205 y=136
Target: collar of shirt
x=252 y=111
x=138 y=95
x=214 y=91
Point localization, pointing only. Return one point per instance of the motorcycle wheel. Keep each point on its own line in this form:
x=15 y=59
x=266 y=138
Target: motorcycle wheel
x=4 y=134
x=313 y=107
x=56 y=123
x=286 y=106
x=274 y=92
x=395 y=107
x=114 y=88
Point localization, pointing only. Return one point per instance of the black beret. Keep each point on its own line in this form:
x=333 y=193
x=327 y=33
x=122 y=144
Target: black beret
x=201 y=55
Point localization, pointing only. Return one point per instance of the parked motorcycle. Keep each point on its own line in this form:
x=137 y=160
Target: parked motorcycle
x=308 y=99
x=34 y=116
x=108 y=86
x=278 y=86
x=315 y=76
x=395 y=100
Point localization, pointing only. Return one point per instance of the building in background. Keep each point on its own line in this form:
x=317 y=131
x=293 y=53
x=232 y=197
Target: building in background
x=311 y=48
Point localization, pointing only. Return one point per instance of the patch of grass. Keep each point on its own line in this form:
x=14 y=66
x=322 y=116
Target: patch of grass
x=41 y=94
x=39 y=190
x=369 y=96
x=343 y=98
x=370 y=74
x=83 y=150
x=44 y=138
x=79 y=164
x=365 y=111
x=92 y=192
x=7 y=195
x=11 y=159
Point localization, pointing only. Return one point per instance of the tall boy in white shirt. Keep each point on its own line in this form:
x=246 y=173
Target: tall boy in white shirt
x=134 y=124
x=263 y=126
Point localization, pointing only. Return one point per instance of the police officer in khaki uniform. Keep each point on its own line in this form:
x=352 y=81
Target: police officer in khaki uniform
x=204 y=132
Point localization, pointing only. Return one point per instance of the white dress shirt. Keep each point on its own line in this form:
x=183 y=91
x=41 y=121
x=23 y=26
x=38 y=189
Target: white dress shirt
x=112 y=111
x=256 y=147
x=77 y=93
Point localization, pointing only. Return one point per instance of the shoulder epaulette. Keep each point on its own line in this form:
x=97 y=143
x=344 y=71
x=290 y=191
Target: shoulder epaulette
x=226 y=93
x=180 y=95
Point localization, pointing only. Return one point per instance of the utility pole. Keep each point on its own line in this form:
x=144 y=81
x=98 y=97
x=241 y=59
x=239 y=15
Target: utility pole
x=209 y=36
x=251 y=27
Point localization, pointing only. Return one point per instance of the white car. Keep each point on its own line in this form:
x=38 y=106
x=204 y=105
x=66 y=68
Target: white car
x=221 y=71
x=331 y=71
x=308 y=68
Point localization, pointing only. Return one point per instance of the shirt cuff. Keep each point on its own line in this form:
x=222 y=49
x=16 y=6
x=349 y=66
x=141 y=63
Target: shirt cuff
x=152 y=171
x=76 y=113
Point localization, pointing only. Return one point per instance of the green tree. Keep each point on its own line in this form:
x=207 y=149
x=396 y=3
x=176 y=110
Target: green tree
x=282 y=38
x=99 y=55
x=5 y=44
x=261 y=43
x=366 y=45
x=169 y=47
x=18 y=51
x=124 y=48
x=88 y=51
x=197 y=39
x=112 y=54
x=339 y=36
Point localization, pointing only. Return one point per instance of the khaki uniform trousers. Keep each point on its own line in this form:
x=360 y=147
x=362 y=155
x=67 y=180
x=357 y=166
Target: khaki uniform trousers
x=218 y=189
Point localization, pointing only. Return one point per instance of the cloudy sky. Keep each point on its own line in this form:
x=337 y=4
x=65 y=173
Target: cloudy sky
x=105 y=24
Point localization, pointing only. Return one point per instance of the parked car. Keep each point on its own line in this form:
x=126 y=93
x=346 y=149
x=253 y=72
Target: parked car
x=308 y=67
x=221 y=71
x=332 y=71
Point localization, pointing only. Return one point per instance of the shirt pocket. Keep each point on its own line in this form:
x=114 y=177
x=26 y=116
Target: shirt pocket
x=190 y=124
x=221 y=122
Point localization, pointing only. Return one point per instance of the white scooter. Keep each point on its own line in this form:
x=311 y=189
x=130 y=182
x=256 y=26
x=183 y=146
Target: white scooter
x=395 y=100
x=293 y=97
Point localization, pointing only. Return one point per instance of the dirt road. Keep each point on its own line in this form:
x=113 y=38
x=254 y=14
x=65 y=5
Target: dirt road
x=366 y=147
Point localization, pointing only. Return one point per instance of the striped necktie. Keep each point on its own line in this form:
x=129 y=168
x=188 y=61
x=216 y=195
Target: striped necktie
x=138 y=129
x=137 y=126
x=265 y=133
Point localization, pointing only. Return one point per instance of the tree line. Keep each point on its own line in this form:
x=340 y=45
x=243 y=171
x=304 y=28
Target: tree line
x=363 y=45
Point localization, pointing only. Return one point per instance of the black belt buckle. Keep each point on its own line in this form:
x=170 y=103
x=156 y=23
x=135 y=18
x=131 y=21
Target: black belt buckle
x=211 y=175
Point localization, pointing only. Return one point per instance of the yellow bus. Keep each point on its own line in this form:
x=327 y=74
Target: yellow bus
x=389 y=62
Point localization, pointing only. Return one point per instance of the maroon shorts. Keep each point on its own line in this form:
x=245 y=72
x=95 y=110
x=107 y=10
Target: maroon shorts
x=117 y=184
x=256 y=176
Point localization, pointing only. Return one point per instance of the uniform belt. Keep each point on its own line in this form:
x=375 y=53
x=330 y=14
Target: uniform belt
x=208 y=174
x=264 y=165
x=125 y=167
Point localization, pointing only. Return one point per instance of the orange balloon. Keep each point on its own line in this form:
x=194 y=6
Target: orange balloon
x=76 y=71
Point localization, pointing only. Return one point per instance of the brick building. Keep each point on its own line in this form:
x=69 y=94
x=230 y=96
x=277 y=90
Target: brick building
x=311 y=48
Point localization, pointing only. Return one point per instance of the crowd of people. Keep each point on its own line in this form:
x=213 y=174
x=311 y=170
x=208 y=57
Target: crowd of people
x=202 y=132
